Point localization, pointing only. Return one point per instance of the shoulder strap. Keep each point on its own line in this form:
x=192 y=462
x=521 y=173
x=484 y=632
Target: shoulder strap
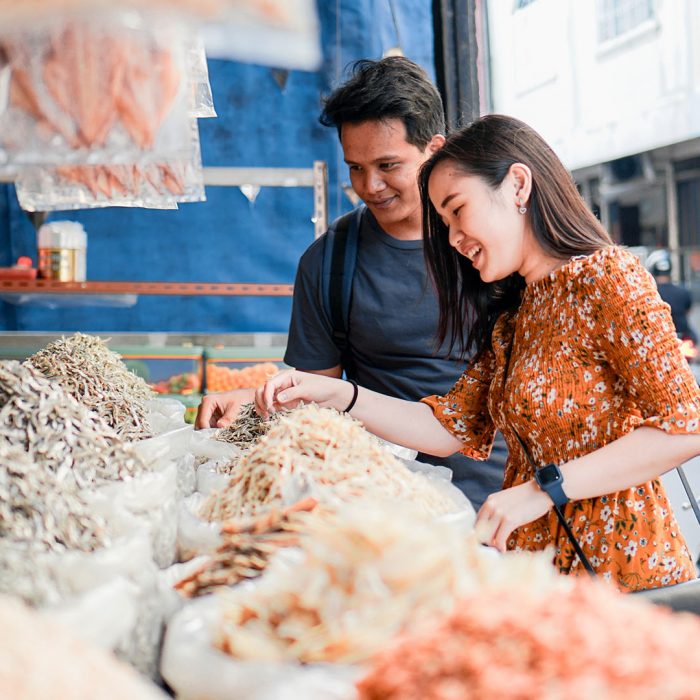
x=339 y=258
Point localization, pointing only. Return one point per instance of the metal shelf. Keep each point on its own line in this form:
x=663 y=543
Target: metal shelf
x=153 y=288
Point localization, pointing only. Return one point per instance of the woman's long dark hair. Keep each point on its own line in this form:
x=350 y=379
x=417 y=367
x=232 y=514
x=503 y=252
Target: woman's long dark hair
x=562 y=223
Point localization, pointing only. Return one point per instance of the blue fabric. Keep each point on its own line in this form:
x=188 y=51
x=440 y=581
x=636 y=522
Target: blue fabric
x=228 y=239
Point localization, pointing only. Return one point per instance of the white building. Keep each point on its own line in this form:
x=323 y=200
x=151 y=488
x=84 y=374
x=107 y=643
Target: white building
x=614 y=87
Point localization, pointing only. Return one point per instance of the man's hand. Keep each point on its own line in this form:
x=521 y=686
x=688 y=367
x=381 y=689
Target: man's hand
x=221 y=409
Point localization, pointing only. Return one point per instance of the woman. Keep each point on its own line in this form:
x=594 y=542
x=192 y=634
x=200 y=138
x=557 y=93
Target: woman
x=576 y=356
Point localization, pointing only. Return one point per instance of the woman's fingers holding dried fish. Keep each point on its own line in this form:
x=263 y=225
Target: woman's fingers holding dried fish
x=266 y=396
x=289 y=389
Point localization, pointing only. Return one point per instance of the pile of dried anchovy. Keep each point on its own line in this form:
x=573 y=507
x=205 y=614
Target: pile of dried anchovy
x=57 y=432
x=246 y=549
x=98 y=379
x=42 y=511
x=248 y=428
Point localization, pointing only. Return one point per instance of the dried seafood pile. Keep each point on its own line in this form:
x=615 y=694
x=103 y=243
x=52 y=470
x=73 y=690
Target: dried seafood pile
x=248 y=427
x=589 y=642
x=40 y=510
x=246 y=549
x=96 y=376
x=367 y=572
x=42 y=659
x=58 y=433
x=329 y=449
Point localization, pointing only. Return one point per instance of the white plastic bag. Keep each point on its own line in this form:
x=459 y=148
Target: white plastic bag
x=196 y=670
x=152 y=499
x=210 y=479
x=195 y=536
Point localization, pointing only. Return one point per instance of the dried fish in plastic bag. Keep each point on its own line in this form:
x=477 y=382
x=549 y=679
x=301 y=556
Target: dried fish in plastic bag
x=97 y=377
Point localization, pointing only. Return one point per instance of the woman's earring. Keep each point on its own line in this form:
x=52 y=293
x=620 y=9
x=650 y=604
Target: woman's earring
x=522 y=209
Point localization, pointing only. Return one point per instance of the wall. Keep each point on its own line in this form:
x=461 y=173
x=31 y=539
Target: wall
x=226 y=238
x=597 y=101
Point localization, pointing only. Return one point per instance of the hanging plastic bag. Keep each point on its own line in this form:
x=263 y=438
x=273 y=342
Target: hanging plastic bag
x=96 y=91
x=202 y=100
x=152 y=185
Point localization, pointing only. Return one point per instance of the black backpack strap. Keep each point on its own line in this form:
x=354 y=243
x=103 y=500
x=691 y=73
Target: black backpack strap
x=339 y=259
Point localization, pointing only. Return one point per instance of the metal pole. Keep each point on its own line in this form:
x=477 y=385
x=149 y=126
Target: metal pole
x=673 y=225
x=456 y=53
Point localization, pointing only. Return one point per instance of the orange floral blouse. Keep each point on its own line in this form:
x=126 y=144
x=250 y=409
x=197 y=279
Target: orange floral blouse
x=594 y=356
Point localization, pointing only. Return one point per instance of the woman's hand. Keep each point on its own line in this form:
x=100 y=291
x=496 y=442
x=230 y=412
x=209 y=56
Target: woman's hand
x=506 y=510
x=287 y=389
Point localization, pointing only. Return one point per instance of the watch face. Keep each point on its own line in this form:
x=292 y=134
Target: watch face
x=549 y=474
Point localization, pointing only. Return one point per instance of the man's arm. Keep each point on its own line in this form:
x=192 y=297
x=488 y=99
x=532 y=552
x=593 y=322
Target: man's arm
x=336 y=372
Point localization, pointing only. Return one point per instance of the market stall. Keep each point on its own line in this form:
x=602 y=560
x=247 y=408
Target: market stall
x=294 y=556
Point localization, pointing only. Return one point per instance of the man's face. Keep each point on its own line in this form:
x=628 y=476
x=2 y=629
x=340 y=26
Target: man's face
x=384 y=170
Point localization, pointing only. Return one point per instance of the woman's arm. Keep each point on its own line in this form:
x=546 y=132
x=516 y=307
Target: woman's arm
x=633 y=459
x=408 y=423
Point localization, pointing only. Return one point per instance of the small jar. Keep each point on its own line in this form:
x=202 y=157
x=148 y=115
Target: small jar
x=62 y=251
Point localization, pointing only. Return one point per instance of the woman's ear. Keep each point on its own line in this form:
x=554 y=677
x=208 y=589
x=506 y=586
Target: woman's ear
x=521 y=177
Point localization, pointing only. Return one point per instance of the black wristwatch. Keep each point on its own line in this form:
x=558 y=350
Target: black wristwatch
x=550 y=479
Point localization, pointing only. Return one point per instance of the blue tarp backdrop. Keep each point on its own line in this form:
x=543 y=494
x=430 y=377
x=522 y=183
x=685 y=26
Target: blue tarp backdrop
x=227 y=238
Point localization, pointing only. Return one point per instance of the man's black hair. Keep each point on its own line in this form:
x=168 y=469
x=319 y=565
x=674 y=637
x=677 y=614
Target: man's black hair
x=391 y=88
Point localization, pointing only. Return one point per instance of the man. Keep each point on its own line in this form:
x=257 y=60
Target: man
x=677 y=297
x=389 y=118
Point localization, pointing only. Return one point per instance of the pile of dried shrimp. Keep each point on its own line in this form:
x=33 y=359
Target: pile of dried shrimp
x=334 y=453
x=589 y=641
x=247 y=546
x=365 y=573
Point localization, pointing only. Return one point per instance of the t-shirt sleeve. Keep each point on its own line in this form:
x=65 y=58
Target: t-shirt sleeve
x=310 y=341
x=632 y=328
x=463 y=411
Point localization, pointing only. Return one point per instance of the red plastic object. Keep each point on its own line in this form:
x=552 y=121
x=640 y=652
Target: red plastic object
x=17 y=273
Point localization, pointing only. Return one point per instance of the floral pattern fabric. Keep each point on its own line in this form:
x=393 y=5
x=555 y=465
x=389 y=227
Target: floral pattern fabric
x=593 y=355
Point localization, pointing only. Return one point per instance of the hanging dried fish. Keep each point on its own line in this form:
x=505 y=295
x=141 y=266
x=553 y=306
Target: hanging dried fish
x=329 y=449
x=96 y=376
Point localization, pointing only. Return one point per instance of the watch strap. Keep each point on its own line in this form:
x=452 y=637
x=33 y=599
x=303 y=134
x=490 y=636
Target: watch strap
x=554 y=489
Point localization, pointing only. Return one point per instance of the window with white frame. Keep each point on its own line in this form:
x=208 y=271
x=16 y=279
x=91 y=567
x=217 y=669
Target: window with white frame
x=617 y=17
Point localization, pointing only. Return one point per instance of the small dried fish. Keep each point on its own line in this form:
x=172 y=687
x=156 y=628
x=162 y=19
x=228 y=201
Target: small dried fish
x=96 y=376
x=248 y=427
x=40 y=510
x=58 y=433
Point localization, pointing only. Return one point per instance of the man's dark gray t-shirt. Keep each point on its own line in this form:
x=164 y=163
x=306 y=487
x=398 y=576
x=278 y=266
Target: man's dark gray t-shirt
x=392 y=322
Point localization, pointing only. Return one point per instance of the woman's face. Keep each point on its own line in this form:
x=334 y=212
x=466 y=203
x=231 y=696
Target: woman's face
x=484 y=223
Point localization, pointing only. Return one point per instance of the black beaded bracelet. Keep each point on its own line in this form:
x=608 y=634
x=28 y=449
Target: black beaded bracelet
x=354 y=395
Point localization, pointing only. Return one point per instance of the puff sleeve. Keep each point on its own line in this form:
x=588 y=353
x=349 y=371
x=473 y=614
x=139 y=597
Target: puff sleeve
x=630 y=327
x=463 y=411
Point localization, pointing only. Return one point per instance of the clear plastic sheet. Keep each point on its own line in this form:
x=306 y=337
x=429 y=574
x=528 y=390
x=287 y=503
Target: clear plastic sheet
x=195 y=536
x=202 y=99
x=152 y=185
